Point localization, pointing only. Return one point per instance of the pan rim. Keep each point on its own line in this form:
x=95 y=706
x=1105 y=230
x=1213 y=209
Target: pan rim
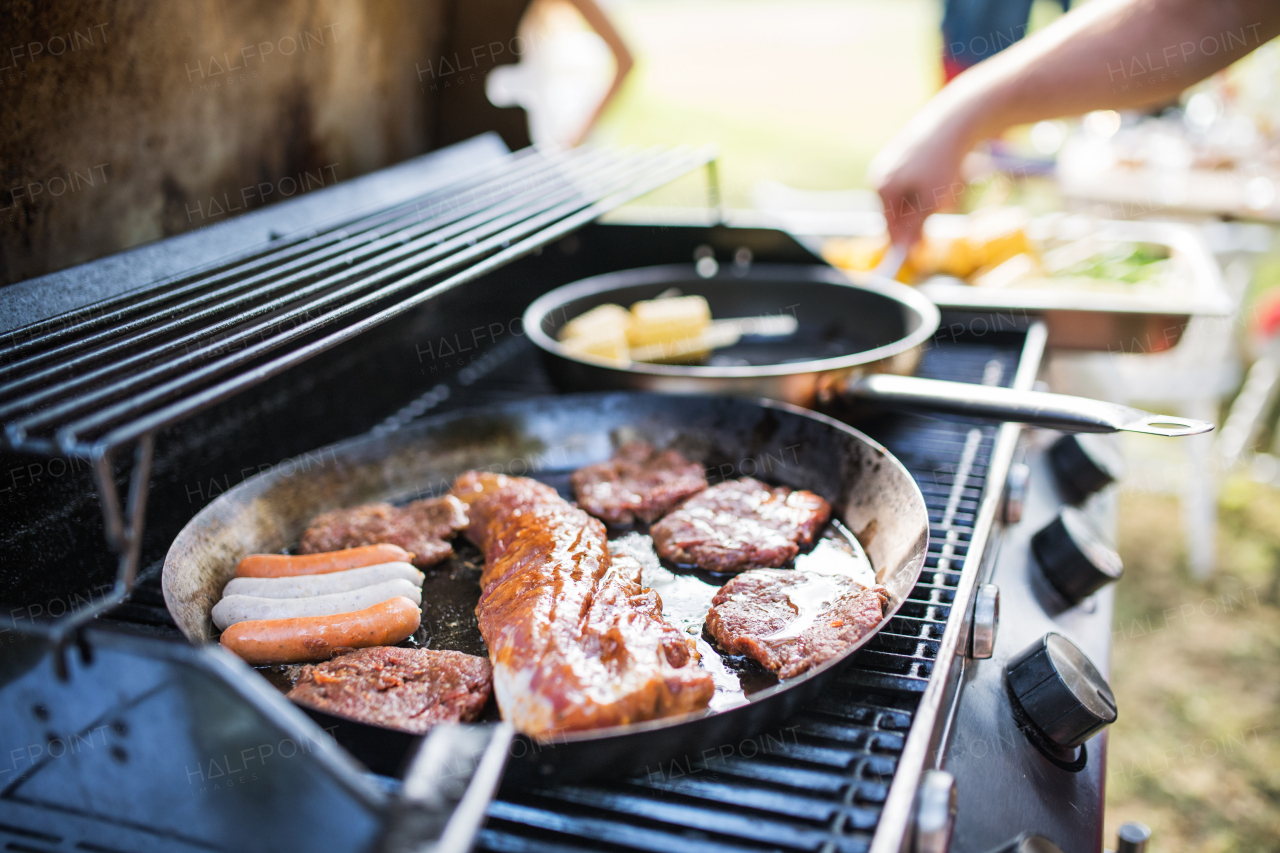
x=913 y=565
x=908 y=297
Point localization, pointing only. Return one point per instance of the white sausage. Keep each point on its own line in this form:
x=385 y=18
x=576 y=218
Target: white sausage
x=305 y=586
x=246 y=608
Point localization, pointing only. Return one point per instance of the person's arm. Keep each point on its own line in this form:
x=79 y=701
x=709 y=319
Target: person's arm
x=1107 y=54
x=623 y=62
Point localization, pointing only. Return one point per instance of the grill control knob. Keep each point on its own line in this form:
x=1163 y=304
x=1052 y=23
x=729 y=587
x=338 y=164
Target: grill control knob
x=1083 y=464
x=1015 y=492
x=1133 y=837
x=1075 y=556
x=935 y=812
x=1060 y=691
x=986 y=618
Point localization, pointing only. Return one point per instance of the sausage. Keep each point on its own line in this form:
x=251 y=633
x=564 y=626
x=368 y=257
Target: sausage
x=287 y=566
x=247 y=608
x=315 y=638
x=302 y=586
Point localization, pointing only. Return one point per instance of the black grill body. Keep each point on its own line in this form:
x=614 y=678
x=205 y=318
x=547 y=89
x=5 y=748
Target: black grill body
x=839 y=776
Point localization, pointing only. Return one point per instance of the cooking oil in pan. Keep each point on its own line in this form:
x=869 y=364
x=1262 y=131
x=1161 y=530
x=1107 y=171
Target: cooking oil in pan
x=686 y=597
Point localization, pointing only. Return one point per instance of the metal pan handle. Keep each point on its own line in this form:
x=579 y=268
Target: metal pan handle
x=1056 y=411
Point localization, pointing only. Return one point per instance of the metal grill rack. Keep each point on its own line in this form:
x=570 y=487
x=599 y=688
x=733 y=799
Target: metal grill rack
x=107 y=377
x=820 y=782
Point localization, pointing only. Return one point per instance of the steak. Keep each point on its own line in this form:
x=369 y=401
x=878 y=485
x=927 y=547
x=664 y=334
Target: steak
x=791 y=620
x=575 y=641
x=739 y=525
x=639 y=482
x=422 y=527
x=410 y=690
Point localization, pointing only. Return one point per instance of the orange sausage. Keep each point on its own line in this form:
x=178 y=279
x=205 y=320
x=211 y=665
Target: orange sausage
x=286 y=566
x=311 y=638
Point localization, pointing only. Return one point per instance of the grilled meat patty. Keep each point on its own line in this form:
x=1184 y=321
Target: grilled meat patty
x=422 y=527
x=790 y=620
x=639 y=482
x=406 y=689
x=575 y=641
x=739 y=525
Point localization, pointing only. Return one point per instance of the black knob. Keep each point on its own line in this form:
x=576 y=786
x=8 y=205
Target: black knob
x=1075 y=556
x=1061 y=691
x=1083 y=464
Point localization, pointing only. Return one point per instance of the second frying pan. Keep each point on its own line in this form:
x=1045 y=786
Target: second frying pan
x=857 y=337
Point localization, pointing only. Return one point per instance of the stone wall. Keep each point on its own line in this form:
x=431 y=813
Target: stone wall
x=125 y=122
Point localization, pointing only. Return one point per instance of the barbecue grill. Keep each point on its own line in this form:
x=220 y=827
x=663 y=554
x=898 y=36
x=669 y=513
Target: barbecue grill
x=362 y=307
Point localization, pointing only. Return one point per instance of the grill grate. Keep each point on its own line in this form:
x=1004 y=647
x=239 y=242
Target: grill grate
x=116 y=371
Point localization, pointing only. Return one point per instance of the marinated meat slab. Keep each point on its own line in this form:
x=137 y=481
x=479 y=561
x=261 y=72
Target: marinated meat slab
x=639 y=482
x=575 y=641
x=422 y=527
x=739 y=525
x=406 y=689
x=790 y=620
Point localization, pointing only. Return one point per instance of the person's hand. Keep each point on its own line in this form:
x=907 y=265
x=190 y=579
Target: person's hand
x=918 y=171
x=1066 y=69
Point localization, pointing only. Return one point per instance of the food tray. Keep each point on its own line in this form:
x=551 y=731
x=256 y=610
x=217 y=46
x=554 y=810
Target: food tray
x=1117 y=318
x=1142 y=320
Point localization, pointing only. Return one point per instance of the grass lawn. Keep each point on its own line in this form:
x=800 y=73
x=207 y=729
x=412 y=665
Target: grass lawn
x=801 y=92
x=1196 y=670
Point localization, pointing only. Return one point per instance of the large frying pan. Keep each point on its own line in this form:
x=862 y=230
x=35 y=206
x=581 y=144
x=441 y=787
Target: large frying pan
x=857 y=338
x=872 y=493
